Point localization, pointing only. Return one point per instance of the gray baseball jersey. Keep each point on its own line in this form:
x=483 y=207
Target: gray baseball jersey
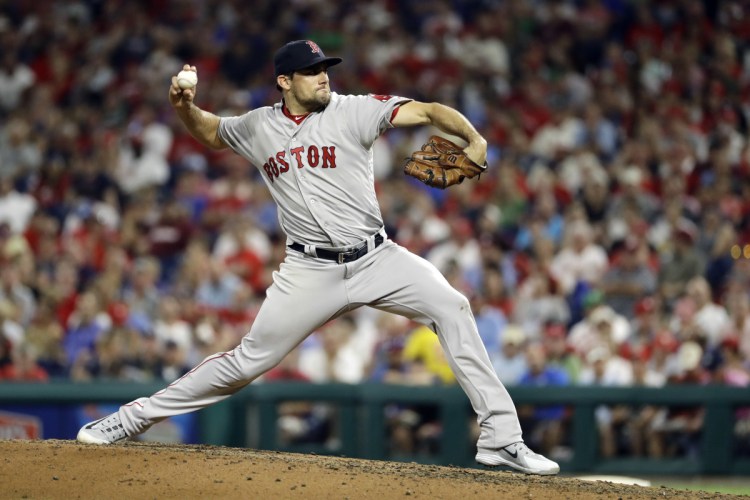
x=319 y=170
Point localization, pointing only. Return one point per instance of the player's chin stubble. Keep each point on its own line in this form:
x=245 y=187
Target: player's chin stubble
x=318 y=100
x=321 y=98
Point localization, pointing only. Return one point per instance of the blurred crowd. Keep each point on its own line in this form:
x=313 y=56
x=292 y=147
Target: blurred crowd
x=608 y=244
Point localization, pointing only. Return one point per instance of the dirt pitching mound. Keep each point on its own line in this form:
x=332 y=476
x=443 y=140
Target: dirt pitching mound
x=66 y=469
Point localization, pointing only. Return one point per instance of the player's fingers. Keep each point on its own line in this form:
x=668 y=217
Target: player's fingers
x=187 y=67
x=174 y=89
x=477 y=155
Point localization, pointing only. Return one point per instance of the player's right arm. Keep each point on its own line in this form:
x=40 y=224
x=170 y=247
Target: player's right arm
x=201 y=124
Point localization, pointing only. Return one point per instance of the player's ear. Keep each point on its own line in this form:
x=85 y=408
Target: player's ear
x=284 y=82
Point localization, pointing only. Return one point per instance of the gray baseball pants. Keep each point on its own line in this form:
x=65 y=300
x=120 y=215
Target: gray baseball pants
x=306 y=293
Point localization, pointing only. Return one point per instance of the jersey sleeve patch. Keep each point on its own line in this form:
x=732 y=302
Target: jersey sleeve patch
x=381 y=97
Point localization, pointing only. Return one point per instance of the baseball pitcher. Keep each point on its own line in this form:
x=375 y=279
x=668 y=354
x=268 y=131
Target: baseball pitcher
x=314 y=150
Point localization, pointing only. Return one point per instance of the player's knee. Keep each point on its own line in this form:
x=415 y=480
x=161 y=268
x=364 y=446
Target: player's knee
x=256 y=360
x=256 y=366
x=458 y=302
x=451 y=304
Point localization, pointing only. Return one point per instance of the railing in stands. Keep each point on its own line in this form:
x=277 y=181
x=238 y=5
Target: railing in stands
x=249 y=419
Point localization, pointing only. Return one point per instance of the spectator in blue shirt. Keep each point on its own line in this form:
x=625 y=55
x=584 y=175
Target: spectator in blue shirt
x=85 y=328
x=546 y=221
x=543 y=424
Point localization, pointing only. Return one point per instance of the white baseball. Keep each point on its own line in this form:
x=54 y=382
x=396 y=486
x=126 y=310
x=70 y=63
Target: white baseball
x=187 y=79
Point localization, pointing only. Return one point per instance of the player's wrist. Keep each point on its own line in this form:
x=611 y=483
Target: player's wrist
x=187 y=109
x=477 y=141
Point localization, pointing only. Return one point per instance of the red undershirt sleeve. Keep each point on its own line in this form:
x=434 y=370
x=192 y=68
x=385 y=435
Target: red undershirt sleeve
x=394 y=113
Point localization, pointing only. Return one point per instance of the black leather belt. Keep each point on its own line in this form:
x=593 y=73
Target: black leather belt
x=344 y=256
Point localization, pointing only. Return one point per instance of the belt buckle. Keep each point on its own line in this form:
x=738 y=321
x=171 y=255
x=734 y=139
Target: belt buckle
x=343 y=255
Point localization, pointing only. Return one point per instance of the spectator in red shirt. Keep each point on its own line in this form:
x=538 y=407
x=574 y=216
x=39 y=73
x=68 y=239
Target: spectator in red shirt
x=23 y=366
x=168 y=237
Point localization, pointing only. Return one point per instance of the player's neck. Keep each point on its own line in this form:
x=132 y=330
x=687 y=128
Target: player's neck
x=296 y=118
x=293 y=107
x=296 y=109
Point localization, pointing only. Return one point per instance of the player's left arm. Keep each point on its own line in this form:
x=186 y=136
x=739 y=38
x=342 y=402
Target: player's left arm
x=448 y=120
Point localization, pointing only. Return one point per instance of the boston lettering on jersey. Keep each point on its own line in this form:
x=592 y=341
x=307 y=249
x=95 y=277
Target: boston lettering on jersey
x=312 y=156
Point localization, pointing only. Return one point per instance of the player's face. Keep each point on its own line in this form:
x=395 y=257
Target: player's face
x=310 y=87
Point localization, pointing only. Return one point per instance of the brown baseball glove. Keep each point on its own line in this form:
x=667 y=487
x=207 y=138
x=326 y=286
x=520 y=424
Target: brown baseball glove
x=441 y=163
